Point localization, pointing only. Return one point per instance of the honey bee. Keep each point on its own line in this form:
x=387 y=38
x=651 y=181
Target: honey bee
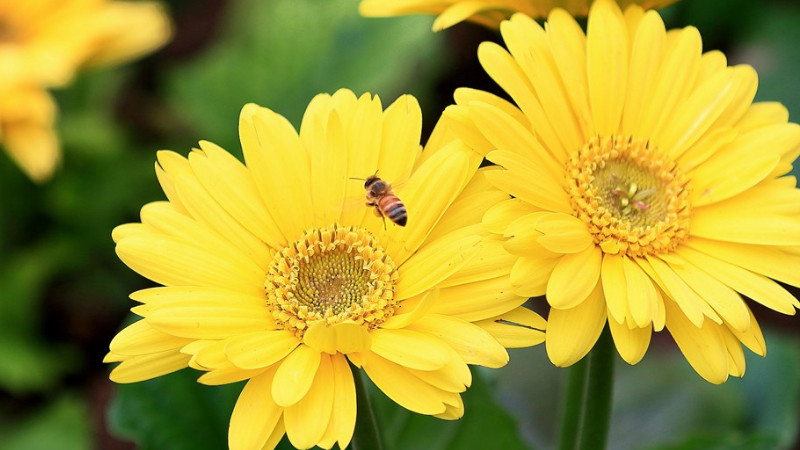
x=386 y=204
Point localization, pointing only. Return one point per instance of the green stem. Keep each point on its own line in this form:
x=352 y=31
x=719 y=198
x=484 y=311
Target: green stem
x=587 y=409
x=366 y=435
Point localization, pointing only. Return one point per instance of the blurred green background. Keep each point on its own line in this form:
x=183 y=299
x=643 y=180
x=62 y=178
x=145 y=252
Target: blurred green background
x=63 y=292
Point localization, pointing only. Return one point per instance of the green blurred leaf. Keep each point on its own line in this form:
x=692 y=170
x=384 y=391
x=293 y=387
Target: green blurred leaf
x=174 y=412
x=27 y=365
x=281 y=53
x=485 y=424
x=62 y=424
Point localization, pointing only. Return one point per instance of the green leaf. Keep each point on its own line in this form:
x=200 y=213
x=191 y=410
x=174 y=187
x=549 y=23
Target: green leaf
x=281 y=53
x=62 y=424
x=485 y=424
x=174 y=412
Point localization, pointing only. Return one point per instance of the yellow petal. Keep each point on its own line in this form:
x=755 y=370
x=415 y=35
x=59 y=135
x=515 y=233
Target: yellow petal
x=145 y=367
x=344 y=391
x=171 y=262
x=343 y=337
x=519 y=327
x=563 y=233
x=255 y=415
x=571 y=333
x=449 y=170
x=497 y=218
x=752 y=338
x=490 y=261
x=607 y=65
x=233 y=187
x=631 y=343
x=454 y=376
x=532 y=186
x=647 y=48
x=409 y=348
x=530 y=276
x=573 y=278
x=434 y=263
x=642 y=294
x=757 y=287
x=402 y=387
x=473 y=343
x=476 y=301
x=400 y=148
x=277 y=159
x=257 y=350
x=734 y=225
x=676 y=76
x=691 y=304
x=307 y=420
x=768 y=261
x=295 y=375
x=725 y=301
x=140 y=338
x=411 y=310
x=703 y=347
x=568 y=44
x=615 y=287
x=208 y=313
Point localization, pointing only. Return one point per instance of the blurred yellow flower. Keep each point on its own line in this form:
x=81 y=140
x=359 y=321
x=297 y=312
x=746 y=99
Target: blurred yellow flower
x=486 y=12
x=649 y=190
x=26 y=130
x=43 y=43
x=277 y=273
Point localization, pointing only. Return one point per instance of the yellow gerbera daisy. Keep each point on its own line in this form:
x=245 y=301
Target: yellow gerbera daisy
x=649 y=190
x=486 y=12
x=26 y=130
x=44 y=42
x=278 y=273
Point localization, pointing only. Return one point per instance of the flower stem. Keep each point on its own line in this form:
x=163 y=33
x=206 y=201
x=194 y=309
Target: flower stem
x=366 y=435
x=587 y=409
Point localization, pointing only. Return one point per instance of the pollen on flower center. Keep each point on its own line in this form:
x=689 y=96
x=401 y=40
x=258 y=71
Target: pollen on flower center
x=334 y=274
x=633 y=199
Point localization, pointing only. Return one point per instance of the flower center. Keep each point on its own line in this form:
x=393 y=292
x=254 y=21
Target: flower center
x=633 y=199
x=334 y=274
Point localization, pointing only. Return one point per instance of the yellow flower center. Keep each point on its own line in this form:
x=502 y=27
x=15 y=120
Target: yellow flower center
x=334 y=274
x=633 y=199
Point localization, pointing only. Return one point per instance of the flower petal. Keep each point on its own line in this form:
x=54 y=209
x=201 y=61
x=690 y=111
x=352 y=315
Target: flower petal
x=573 y=278
x=411 y=349
x=255 y=415
x=257 y=350
x=145 y=367
x=473 y=343
x=571 y=333
x=402 y=387
x=519 y=327
x=703 y=347
x=307 y=420
x=631 y=343
x=295 y=376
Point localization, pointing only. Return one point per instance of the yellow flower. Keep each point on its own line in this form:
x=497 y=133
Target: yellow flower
x=277 y=272
x=486 y=12
x=649 y=190
x=44 y=42
x=26 y=130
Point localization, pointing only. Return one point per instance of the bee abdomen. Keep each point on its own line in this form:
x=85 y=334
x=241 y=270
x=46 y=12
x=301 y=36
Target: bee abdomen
x=395 y=210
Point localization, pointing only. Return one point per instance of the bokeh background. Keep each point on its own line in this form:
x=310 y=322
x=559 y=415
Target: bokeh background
x=63 y=292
